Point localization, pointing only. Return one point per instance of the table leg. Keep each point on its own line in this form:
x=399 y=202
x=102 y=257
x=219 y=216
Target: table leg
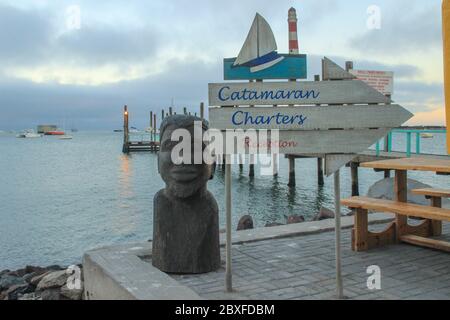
x=436 y=225
x=401 y=195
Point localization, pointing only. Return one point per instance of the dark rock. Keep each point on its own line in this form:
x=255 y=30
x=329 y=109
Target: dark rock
x=55 y=267
x=53 y=279
x=29 y=296
x=29 y=276
x=384 y=189
x=245 y=223
x=2 y=295
x=186 y=214
x=324 y=214
x=273 y=224
x=4 y=272
x=350 y=213
x=36 y=279
x=34 y=269
x=51 y=294
x=14 y=291
x=8 y=280
x=295 y=219
x=72 y=294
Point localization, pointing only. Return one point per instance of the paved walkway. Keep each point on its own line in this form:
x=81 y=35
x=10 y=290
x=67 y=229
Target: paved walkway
x=303 y=267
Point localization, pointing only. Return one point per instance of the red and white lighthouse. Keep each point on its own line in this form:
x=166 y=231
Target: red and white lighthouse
x=293 y=37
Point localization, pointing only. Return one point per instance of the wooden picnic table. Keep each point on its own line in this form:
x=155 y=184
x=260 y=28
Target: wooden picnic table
x=402 y=166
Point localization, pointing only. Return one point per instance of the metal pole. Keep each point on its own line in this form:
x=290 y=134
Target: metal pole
x=337 y=220
x=228 y=272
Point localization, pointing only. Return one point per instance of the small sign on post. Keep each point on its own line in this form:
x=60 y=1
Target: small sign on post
x=382 y=81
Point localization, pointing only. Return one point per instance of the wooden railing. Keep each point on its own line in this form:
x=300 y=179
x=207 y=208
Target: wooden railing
x=409 y=136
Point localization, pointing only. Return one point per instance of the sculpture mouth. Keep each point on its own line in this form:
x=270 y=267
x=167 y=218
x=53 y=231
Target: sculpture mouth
x=185 y=174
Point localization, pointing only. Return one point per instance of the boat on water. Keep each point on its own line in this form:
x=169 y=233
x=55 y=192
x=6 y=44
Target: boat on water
x=65 y=137
x=55 y=133
x=29 y=133
x=259 y=51
x=426 y=135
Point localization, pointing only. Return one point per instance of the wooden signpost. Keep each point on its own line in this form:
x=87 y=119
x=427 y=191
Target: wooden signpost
x=293 y=93
x=336 y=119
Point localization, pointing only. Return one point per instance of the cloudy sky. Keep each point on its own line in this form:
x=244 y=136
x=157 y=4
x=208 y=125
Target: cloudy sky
x=146 y=53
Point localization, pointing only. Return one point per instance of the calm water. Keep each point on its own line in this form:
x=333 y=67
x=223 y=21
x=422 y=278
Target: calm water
x=60 y=198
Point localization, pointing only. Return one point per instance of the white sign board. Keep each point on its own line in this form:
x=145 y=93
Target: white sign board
x=382 y=81
x=293 y=93
x=308 y=117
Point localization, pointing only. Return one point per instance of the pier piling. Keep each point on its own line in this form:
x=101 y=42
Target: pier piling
x=320 y=180
x=126 y=137
x=291 y=171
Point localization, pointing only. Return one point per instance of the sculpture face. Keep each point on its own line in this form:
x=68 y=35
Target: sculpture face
x=184 y=180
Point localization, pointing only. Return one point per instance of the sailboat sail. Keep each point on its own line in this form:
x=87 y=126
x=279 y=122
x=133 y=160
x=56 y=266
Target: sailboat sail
x=259 y=49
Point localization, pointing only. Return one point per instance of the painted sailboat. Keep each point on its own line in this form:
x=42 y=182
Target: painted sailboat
x=259 y=51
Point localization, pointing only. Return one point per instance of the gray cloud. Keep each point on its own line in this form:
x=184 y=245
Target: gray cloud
x=24 y=35
x=99 y=45
x=25 y=104
x=29 y=37
x=403 y=29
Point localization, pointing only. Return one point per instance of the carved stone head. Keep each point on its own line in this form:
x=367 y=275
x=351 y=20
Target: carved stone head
x=186 y=179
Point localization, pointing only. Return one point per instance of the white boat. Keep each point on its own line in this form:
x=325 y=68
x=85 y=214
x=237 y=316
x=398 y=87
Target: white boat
x=259 y=51
x=65 y=137
x=427 y=135
x=29 y=133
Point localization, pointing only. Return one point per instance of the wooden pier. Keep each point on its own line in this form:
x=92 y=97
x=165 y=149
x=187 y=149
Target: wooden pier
x=130 y=145
x=151 y=144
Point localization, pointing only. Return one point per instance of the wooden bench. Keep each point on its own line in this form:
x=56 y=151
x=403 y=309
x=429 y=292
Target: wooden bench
x=435 y=195
x=363 y=239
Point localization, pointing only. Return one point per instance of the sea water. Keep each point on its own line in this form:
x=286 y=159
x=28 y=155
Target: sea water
x=60 y=198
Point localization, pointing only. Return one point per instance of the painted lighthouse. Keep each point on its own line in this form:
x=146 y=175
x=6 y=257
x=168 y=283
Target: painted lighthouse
x=259 y=58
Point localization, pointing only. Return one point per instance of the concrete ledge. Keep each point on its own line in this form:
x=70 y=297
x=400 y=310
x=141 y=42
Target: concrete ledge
x=120 y=272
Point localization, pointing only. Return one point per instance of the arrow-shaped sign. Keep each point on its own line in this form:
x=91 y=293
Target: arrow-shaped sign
x=293 y=93
x=332 y=71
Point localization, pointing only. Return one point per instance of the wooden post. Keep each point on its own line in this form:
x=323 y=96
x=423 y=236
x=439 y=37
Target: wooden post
x=436 y=225
x=320 y=179
x=401 y=195
x=291 y=171
x=348 y=65
x=151 y=126
x=154 y=127
x=126 y=137
x=251 y=168
x=162 y=115
x=228 y=268
x=185 y=110
x=337 y=223
x=355 y=183
x=202 y=110
x=170 y=111
x=446 y=45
